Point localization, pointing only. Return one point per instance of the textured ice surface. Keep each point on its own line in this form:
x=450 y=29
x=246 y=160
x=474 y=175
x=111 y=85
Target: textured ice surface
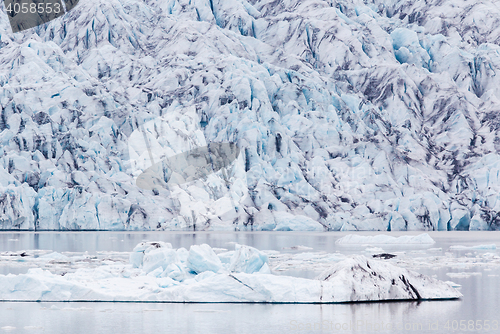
x=245 y=279
x=202 y=258
x=248 y=260
x=350 y=115
x=141 y=252
x=180 y=263
x=358 y=278
x=423 y=238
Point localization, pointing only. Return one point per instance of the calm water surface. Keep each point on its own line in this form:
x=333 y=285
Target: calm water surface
x=481 y=299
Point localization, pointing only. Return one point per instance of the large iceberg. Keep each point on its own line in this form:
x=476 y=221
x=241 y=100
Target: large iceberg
x=201 y=276
x=347 y=115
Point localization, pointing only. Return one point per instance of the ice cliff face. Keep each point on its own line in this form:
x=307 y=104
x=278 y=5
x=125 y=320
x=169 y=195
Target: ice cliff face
x=350 y=115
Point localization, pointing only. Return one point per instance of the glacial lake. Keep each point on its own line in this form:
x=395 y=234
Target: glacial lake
x=478 y=307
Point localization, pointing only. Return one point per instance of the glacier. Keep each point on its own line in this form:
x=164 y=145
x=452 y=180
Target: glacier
x=349 y=115
x=149 y=277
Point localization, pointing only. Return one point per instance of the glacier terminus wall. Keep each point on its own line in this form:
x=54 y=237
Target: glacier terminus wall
x=346 y=115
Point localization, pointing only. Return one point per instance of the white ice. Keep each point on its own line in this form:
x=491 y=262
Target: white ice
x=350 y=115
x=477 y=247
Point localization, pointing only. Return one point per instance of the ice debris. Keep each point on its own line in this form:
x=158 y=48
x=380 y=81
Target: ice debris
x=476 y=247
x=353 y=239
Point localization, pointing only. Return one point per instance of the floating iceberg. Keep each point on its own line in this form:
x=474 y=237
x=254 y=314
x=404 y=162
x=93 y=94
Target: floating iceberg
x=200 y=276
x=349 y=239
x=476 y=247
x=464 y=274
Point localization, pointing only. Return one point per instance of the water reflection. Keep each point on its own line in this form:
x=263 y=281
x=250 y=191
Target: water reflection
x=225 y=318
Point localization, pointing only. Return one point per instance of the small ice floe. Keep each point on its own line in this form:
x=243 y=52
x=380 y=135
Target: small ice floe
x=26 y=253
x=384 y=256
x=463 y=274
x=374 y=250
x=159 y=273
x=477 y=247
x=490 y=256
x=302 y=248
x=77 y=309
x=453 y=284
x=350 y=239
x=8 y=328
x=19 y=253
x=56 y=257
x=13 y=240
